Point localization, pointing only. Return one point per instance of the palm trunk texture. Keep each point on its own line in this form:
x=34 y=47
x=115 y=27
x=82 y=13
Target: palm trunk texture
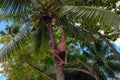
x=58 y=70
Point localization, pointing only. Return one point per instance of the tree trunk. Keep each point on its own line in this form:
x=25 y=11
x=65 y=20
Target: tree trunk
x=109 y=44
x=58 y=70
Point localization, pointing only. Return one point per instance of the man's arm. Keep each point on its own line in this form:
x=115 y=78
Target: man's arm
x=63 y=34
x=50 y=44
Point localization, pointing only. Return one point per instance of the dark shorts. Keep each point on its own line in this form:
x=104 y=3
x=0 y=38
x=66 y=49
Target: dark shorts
x=62 y=55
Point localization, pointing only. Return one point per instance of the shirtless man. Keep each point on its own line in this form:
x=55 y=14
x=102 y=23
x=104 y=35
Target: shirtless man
x=60 y=52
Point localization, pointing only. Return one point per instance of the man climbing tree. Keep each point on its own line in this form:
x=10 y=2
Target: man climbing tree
x=60 y=52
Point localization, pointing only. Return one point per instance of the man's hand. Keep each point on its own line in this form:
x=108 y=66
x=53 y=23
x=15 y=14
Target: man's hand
x=50 y=42
x=63 y=34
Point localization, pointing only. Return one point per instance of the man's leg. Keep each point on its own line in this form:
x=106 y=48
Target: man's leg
x=56 y=54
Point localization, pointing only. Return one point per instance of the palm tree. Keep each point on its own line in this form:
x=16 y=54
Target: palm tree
x=43 y=16
x=102 y=58
x=25 y=58
x=94 y=59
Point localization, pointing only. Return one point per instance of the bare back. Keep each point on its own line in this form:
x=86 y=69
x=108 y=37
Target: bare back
x=62 y=45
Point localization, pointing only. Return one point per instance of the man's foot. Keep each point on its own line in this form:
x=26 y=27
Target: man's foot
x=61 y=63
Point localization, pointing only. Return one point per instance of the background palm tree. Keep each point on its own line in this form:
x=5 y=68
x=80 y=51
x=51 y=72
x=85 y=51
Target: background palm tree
x=96 y=57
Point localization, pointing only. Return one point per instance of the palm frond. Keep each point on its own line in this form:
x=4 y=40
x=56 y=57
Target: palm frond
x=88 y=55
x=114 y=64
x=19 y=38
x=39 y=36
x=92 y=13
x=15 y=16
x=14 y=5
x=74 y=31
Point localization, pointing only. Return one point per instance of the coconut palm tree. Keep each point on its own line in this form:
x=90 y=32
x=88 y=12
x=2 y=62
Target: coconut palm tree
x=101 y=59
x=25 y=58
x=43 y=16
x=94 y=59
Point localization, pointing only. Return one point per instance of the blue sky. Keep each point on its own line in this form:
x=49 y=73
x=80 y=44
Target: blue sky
x=117 y=42
x=2 y=77
x=2 y=25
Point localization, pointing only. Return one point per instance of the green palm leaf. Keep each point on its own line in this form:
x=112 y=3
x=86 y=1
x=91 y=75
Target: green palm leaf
x=74 y=31
x=14 y=5
x=20 y=37
x=93 y=14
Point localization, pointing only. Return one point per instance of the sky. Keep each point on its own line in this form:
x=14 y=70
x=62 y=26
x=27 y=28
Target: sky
x=117 y=42
x=3 y=77
x=3 y=24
